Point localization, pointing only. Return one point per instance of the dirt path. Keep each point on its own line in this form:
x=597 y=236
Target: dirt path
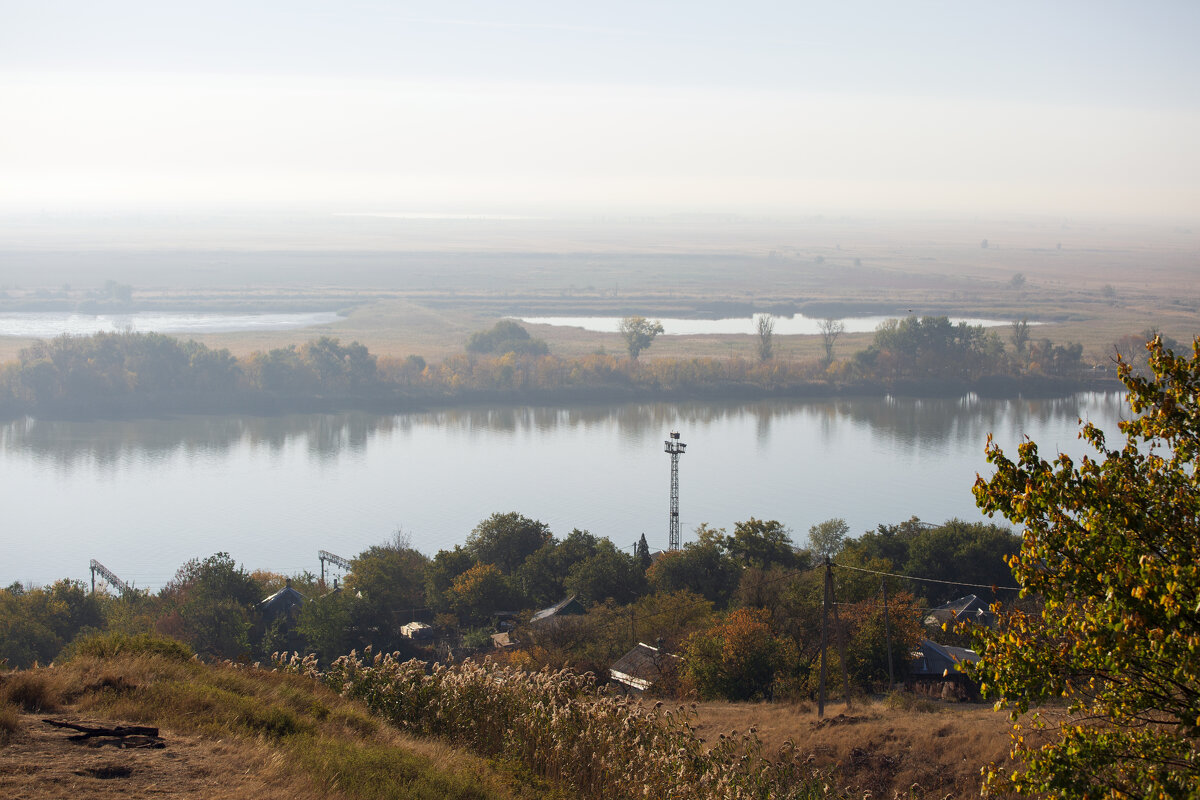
x=41 y=762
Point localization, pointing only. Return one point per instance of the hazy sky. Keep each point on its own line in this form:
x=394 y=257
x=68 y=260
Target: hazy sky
x=545 y=107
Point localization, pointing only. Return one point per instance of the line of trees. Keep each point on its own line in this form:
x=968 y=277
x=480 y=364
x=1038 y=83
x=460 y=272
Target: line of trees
x=752 y=592
x=114 y=374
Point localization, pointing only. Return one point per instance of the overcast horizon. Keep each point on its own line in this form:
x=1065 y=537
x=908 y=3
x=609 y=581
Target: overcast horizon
x=532 y=109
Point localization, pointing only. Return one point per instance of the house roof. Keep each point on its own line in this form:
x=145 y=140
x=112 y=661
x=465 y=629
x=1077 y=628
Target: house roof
x=964 y=609
x=936 y=659
x=285 y=599
x=568 y=606
x=641 y=666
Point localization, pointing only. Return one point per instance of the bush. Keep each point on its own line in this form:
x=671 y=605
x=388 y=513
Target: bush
x=32 y=691
x=109 y=645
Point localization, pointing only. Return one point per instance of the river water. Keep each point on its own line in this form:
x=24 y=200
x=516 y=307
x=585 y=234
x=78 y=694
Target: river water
x=142 y=497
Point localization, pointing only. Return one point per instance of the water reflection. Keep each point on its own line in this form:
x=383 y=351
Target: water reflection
x=904 y=422
x=109 y=443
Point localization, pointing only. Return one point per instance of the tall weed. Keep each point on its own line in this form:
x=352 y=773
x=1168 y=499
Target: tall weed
x=564 y=729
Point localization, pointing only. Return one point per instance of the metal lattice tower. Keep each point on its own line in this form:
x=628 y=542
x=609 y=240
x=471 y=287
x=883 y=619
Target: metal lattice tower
x=675 y=448
x=107 y=574
x=325 y=555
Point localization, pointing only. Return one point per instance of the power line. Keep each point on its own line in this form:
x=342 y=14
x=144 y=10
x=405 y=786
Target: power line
x=929 y=580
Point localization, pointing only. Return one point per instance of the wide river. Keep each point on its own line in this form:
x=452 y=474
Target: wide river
x=143 y=497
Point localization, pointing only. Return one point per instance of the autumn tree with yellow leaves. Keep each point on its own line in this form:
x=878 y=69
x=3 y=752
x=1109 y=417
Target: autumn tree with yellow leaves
x=1112 y=551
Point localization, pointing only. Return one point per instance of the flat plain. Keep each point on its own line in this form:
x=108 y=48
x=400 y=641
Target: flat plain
x=421 y=287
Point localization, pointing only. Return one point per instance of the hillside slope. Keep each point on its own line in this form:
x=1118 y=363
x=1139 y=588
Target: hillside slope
x=228 y=732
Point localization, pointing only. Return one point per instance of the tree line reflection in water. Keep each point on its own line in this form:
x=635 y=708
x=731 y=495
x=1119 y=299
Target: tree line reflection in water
x=902 y=421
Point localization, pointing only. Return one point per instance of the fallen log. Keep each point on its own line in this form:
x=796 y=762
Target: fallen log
x=88 y=731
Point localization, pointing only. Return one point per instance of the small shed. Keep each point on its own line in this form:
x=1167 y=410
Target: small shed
x=284 y=603
x=503 y=640
x=565 y=608
x=964 y=609
x=642 y=667
x=416 y=630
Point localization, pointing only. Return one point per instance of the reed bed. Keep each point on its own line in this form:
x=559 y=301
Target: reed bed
x=564 y=729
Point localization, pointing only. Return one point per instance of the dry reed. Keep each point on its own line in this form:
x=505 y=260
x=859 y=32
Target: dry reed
x=563 y=729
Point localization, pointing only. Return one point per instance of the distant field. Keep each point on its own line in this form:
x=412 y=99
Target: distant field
x=422 y=288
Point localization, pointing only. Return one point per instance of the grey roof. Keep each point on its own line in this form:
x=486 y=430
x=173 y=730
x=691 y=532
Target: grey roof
x=938 y=659
x=964 y=609
x=642 y=666
x=285 y=598
x=568 y=606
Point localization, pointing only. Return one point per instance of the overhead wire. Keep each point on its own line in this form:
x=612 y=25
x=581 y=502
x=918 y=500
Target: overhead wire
x=993 y=587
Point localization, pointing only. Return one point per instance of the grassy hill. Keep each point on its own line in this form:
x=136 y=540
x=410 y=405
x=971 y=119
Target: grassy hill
x=229 y=732
x=235 y=731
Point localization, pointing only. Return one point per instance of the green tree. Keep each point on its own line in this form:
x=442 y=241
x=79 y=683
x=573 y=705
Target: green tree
x=761 y=543
x=1112 y=549
x=826 y=539
x=445 y=566
x=703 y=566
x=35 y=624
x=480 y=592
x=638 y=333
x=506 y=540
x=608 y=573
x=391 y=577
x=506 y=336
x=738 y=657
x=209 y=605
x=327 y=625
x=971 y=552
x=1020 y=335
x=642 y=553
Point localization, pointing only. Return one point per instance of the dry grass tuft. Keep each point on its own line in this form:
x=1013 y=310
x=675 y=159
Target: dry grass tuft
x=10 y=721
x=34 y=691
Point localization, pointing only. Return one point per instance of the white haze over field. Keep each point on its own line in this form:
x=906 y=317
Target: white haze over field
x=540 y=108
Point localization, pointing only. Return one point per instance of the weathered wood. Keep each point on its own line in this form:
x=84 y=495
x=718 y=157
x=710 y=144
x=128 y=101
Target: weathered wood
x=89 y=731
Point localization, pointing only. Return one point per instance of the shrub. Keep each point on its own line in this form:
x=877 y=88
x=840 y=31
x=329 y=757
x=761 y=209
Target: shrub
x=109 y=645
x=33 y=691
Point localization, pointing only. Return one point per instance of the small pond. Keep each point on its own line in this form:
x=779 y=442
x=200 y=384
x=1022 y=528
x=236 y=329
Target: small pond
x=48 y=324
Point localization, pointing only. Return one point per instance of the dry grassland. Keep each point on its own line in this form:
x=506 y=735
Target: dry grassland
x=924 y=749
x=228 y=733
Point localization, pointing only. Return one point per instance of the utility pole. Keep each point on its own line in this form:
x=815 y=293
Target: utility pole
x=837 y=625
x=824 y=636
x=887 y=628
x=828 y=602
x=675 y=448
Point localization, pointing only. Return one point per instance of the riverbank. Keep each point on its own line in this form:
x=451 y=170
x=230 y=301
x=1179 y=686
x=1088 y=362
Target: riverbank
x=408 y=399
x=131 y=375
